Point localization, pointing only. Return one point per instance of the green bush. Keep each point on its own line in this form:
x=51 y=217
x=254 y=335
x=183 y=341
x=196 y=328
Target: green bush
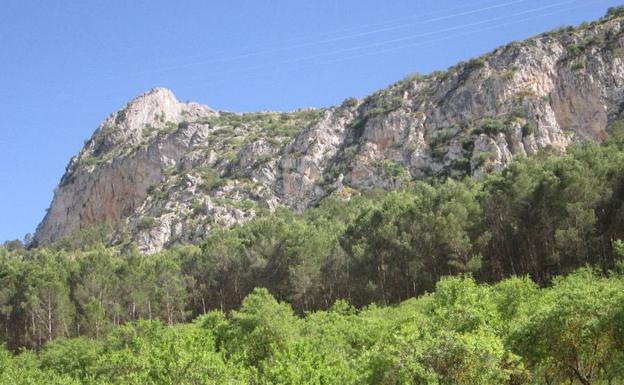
x=579 y=65
x=475 y=64
x=481 y=158
x=508 y=74
x=76 y=357
x=491 y=126
x=395 y=169
x=468 y=144
x=615 y=11
x=528 y=129
x=574 y=50
x=146 y=223
x=350 y=102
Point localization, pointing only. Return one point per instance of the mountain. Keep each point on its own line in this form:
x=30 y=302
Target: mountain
x=172 y=171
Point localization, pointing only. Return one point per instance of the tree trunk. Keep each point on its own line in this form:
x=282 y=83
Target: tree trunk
x=583 y=379
x=49 y=318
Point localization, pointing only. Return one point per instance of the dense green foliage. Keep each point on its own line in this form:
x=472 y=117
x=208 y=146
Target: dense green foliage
x=462 y=333
x=102 y=314
x=543 y=216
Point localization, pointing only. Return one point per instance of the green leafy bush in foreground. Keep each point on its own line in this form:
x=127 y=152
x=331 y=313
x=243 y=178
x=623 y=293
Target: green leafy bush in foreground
x=461 y=333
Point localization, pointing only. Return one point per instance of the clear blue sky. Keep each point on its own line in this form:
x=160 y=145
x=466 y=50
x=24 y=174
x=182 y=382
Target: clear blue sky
x=65 y=65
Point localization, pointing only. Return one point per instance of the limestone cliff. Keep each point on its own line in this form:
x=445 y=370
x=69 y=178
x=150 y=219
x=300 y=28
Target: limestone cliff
x=172 y=171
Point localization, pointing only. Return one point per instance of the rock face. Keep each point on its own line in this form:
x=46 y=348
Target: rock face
x=171 y=171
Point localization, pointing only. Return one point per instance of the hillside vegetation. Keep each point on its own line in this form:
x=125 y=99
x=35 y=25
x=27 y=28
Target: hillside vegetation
x=541 y=217
x=462 y=333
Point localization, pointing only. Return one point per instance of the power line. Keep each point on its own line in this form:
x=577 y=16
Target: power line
x=386 y=22
x=372 y=53
x=333 y=39
x=431 y=41
x=517 y=21
x=398 y=40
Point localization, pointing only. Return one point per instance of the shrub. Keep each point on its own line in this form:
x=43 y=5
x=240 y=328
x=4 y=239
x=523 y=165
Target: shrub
x=396 y=102
x=412 y=77
x=170 y=127
x=71 y=356
x=146 y=223
x=481 y=157
x=377 y=111
x=438 y=152
x=509 y=74
x=579 y=65
x=491 y=126
x=474 y=64
x=358 y=124
x=574 y=50
x=525 y=93
x=443 y=135
x=405 y=83
x=350 y=102
x=468 y=144
x=528 y=129
x=395 y=169
x=515 y=114
x=197 y=208
x=462 y=165
x=615 y=11
x=597 y=40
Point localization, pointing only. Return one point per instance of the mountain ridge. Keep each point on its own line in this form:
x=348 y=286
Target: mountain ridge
x=172 y=171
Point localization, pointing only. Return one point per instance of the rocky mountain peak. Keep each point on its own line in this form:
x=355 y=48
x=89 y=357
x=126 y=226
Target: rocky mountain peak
x=155 y=110
x=151 y=107
x=170 y=172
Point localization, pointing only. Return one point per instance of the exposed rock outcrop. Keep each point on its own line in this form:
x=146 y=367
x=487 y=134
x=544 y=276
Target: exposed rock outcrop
x=171 y=171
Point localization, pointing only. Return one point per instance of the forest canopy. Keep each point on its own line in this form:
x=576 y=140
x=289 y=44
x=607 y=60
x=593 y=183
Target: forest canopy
x=463 y=332
x=354 y=291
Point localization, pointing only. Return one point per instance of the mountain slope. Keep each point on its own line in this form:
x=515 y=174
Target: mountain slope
x=173 y=171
